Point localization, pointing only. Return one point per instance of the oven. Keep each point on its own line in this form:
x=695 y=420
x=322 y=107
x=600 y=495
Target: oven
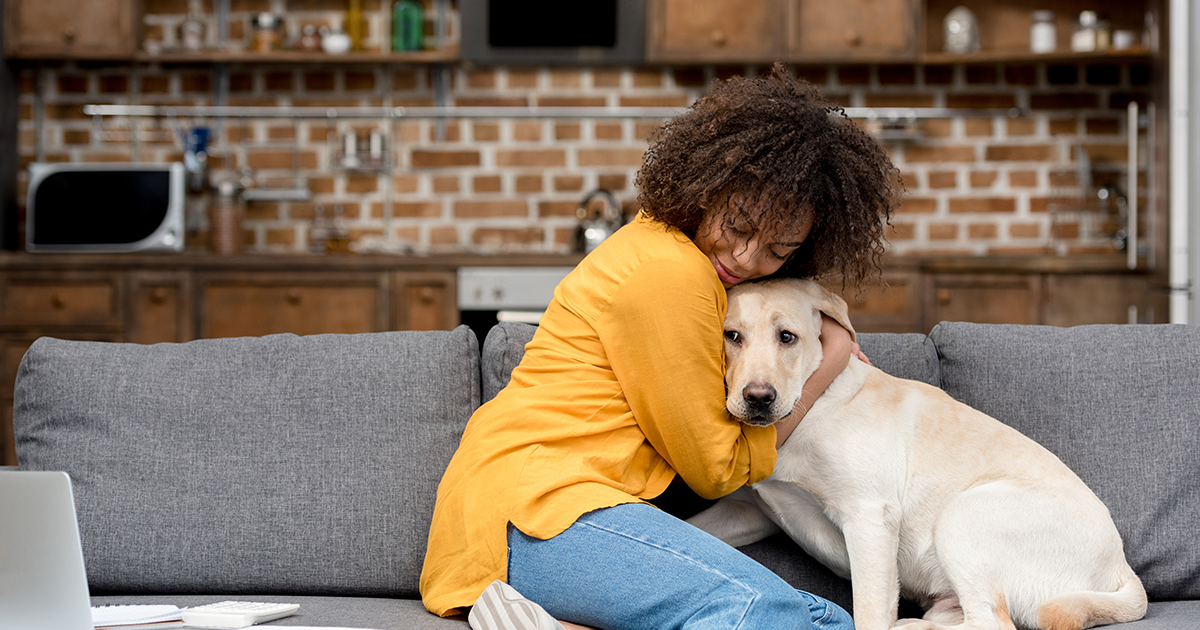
x=489 y=295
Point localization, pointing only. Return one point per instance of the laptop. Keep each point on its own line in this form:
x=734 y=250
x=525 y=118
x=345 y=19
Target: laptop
x=43 y=585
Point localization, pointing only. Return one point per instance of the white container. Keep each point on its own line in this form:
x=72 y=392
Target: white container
x=960 y=31
x=1122 y=39
x=1084 y=37
x=1043 y=33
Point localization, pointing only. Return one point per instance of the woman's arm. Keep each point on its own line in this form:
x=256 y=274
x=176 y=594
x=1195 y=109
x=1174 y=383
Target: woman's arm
x=836 y=348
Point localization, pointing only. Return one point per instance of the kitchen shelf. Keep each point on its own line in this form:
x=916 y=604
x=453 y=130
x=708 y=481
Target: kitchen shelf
x=444 y=55
x=1024 y=56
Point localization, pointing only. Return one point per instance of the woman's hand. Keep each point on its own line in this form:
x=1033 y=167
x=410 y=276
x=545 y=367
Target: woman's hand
x=836 y=348
x=858 y=353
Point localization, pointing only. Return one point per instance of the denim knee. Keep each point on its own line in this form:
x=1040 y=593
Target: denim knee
x=827 y=615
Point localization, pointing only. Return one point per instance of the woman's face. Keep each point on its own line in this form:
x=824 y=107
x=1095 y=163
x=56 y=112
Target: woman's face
x=739 y=252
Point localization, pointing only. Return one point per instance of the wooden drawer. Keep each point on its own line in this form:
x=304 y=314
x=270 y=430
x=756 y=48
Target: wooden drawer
x=425 y=301
x=984 y=299
x=893 y=305
x=81 y=300
x=304 y=305
x=715 y=30
x=848 y=29
x=160 y=308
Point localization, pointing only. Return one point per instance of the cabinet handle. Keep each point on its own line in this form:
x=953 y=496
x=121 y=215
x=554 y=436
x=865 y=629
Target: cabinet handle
x=293 y=296
x=853 y=38
x=943 y=296
x=69 y=34
x=425 y=295
x=718 y=38
x=158 y=295
x=58 y=301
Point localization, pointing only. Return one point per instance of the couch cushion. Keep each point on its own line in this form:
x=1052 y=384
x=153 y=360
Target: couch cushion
x=1120 y=405
x=503 y=348
x=279 y=464
x=905 y=355
x=329 y=613
x=910 y=356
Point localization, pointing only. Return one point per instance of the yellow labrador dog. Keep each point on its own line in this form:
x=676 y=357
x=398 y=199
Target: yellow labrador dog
x=898 y=487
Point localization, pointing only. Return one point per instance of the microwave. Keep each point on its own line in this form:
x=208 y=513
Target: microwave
x=553 y=32
x=104 y=207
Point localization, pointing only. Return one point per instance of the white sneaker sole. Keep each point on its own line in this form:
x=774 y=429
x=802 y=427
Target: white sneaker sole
x=501 y=607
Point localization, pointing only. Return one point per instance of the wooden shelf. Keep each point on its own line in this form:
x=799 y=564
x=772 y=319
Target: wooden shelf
x=1024 y=56
x=445 y=55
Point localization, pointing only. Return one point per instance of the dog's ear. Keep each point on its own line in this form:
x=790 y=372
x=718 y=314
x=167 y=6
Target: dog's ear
x=831 y=304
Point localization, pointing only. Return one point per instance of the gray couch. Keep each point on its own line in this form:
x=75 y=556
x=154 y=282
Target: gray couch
x=303 y=469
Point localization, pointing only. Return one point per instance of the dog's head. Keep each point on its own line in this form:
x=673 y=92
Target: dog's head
x=772 y=344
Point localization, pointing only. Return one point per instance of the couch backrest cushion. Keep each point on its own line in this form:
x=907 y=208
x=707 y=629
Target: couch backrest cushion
x=503 y=348
x=1120 y=405
x=905 y=355
x=910 y=355
x=280 y=464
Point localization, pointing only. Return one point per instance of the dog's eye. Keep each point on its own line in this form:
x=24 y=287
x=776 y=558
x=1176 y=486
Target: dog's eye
x=733 y=336
x=787 y=338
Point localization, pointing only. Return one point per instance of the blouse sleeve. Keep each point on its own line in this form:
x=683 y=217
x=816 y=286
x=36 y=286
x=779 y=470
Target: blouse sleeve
x=663 y=335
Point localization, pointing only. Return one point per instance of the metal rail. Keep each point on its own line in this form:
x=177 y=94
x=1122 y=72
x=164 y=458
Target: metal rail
x=216 y=111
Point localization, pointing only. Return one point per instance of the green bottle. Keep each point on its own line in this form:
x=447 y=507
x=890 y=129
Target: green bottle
x=408 y=24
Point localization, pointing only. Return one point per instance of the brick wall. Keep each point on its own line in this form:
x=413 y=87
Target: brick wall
x=977 y=184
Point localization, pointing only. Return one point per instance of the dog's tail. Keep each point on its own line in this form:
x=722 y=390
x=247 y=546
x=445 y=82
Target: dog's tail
x=1075 y=611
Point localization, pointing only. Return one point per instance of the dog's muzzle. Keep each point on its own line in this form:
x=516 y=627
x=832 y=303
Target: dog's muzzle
x=759 y=399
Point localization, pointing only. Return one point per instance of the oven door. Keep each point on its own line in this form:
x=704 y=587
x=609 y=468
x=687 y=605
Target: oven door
x=489 y=295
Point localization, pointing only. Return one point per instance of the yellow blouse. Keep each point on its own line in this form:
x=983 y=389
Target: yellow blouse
x=621 y=388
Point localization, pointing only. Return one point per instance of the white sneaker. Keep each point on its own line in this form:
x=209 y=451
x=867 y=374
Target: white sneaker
x=501 y=607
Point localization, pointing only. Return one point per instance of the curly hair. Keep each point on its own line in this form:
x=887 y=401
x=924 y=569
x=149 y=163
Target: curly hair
x=773 y=149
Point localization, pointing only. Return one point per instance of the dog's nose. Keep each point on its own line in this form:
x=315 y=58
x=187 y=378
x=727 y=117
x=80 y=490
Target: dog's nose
x=759 y=396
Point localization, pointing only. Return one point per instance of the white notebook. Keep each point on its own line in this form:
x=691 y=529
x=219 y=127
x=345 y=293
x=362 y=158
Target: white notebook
x=137 y=617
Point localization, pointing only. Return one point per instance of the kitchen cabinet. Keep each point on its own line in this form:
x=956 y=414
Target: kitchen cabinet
x=425 y=301
x=160 y=309
x=153 y=298
x=1077 y=299
x=66 y=29
x=780 y=30
x=148 y=298
x=715 y=30
x=847 y=30
x=255 y=304
x=983 y=298
x=893 y=304
x=75 y=298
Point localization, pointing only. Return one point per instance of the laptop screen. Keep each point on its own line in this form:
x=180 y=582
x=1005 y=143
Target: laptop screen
x=43 y=585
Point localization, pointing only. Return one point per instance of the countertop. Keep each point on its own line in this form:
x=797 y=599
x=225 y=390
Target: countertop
x=1107 y=264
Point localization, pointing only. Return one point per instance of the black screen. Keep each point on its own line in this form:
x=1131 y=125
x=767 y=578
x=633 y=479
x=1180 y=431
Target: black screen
x=552 y=23
x=82 y=207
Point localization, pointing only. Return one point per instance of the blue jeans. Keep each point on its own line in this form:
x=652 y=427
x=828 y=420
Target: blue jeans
x=635 y=567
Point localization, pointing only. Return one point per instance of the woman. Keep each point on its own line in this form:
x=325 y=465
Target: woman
x=621 y=388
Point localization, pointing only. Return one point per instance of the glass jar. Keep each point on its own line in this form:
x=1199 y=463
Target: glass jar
x=1043 y=33
x=960 y=31
x=408 y=23
x=1103 y=35
x=1084 y=37
x=191 y=33
x=266 y=36
x=310 y=39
